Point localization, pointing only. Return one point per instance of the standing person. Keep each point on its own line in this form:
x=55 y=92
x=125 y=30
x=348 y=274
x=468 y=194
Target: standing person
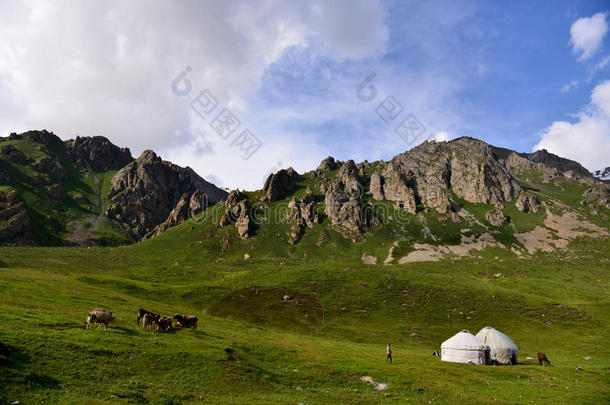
x=388 y=351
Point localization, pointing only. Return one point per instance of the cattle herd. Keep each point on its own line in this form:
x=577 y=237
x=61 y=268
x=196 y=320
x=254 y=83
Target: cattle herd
x=163 y=323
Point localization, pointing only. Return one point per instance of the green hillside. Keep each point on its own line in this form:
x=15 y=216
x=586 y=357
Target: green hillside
x=409 y=279
x=75 y=213
x=312 y=349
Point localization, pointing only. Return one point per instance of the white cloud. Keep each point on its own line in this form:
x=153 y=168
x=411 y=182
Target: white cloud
x=441 y=136
x=588 y=139
x=569 y=86
x=587 y=34
x=88 y=68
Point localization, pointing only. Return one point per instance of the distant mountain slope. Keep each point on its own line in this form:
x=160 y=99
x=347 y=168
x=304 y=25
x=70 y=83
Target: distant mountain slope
x=435 y=200
x=59 y=193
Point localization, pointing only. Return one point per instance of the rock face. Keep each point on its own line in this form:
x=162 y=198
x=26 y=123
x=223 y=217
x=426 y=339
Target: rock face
x=301 y=214
x=51 y=167
x=597 y=196
x=15 y=225
x=328 y=164
x=98 y=153
x=569 y=168
x=496 y=217
x=146 y=191
x=344 y=205
x=13 y=155
x=397 y=187
x=277 y=184
x=376 y=187
x=429 y=172
x=238 y=212
x=527 y=203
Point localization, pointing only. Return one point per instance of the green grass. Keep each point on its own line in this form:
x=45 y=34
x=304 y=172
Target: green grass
x=311 y=350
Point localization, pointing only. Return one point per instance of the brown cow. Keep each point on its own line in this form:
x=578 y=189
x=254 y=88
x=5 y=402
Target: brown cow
x=542 y=359
x=99 y=316
x=148 y=320
x=164 y=324
x=186 y=321
x=141 y=313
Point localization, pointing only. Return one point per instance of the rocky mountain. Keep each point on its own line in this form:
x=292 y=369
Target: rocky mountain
x=463 y=191
x=602 y=174
x=88 y=191
x=150 y=194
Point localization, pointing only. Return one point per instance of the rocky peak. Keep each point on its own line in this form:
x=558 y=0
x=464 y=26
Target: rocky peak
x=147 y=190
x=277 y=184
x=98 y=153
x=238 y=212
x=46 y=138
x=569 y=168
x=328 y=164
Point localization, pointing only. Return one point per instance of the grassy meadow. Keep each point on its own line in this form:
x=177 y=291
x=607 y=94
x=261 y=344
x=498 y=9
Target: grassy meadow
x=312 y=349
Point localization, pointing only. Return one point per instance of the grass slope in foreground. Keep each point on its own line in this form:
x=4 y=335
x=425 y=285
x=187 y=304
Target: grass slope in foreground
x=310 y=352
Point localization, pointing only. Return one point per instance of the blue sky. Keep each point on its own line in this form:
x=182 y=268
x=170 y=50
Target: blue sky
x=518 y=74
x=500 y=68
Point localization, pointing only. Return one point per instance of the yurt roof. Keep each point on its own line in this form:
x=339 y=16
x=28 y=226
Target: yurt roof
x=496 y=339
x=464 y=340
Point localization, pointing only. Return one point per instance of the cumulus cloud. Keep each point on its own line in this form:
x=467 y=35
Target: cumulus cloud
x=587 y=140
x=587 y=34
x=441 y=136
x=88 y=68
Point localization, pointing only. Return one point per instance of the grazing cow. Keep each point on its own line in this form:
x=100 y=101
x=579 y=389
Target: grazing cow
x=164 y=324
x=99 y=316
x=141 y=313
x=542 y=359
x=149 y=319
x=186 y=321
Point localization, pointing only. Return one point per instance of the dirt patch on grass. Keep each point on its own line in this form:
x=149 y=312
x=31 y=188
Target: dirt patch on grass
x=367 y=259
x=558 y=229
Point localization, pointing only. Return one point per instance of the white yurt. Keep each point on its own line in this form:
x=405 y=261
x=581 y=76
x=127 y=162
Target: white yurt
x=502 y=350
x=464 y=347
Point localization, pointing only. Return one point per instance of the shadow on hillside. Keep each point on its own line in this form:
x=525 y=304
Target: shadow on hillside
x=13 y=366
x=123 y=330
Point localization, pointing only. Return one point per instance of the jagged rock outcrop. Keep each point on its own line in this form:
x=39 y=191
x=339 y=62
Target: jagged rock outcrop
x=45 y=138
x=51 y=167
x=496 y=217
x=399 y=188
x=277 y=184
x=376 y=186
x=15 y=227
x=238 y=212
x=527 y=203
x=569 y=168
x=98 y=153
x=328 y=164
x=187 y=207
x=301 y=214
x=597 y=196
x=429 y=173
x=146 y=191
x=347 y=212
x=351 y=177
x=13 y=155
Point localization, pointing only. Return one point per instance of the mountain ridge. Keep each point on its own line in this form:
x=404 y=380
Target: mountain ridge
x=136 y=199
